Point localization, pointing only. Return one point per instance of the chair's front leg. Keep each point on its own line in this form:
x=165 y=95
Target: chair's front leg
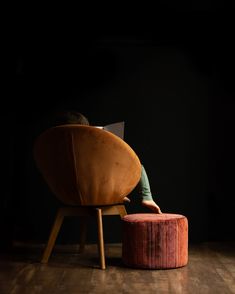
x=53 y=235
x=100 y=237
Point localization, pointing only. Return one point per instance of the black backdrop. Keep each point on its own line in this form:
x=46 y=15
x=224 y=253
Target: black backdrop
x=173 y=87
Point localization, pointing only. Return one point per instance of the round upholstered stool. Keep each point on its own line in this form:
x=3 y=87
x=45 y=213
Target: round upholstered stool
x=155 y=241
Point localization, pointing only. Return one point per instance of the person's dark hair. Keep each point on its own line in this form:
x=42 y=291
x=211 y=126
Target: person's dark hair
x=70 y=117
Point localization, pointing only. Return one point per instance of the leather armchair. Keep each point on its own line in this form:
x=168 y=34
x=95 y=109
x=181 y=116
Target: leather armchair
x=90 y=171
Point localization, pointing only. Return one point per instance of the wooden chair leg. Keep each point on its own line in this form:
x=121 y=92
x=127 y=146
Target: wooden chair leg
x=122 y=210
x=83 y=233
x=100 y=238
x=53 y=235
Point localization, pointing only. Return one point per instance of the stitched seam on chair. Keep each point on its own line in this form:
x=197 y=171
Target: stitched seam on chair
x=75 y=165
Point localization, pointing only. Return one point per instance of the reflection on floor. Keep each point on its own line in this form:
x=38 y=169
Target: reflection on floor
x=211 y=269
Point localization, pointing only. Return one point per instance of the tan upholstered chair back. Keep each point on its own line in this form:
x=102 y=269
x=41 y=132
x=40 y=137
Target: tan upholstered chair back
x=84 y=165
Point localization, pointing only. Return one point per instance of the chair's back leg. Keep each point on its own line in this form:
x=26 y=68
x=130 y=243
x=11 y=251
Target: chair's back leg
x=122 y=210
x=83 y=233
x=100 y=237
x=53 y=235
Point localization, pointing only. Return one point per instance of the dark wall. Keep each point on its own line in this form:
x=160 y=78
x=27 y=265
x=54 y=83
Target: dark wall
x=173 y=90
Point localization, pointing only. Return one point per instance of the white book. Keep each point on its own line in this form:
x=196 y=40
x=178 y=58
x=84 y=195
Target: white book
x=115 y=128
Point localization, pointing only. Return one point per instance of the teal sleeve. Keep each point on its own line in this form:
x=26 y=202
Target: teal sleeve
x=144 y=186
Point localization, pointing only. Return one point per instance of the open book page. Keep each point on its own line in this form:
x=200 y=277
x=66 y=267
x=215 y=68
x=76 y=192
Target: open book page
x=115 y=128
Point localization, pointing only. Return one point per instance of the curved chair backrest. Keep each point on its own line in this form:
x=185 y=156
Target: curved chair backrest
x=84 y=165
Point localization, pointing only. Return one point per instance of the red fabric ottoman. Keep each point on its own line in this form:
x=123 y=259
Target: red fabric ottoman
x=155 y=241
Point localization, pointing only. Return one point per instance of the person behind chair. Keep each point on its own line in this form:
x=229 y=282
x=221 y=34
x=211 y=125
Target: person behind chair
x=143 y=187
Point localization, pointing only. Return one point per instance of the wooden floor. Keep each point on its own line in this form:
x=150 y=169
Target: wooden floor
x=211 y=269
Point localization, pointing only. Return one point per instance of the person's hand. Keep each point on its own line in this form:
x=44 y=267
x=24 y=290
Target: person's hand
x=151 y=205
x=126 y=199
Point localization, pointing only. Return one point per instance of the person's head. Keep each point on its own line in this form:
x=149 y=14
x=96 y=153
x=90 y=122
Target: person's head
x=70 y=117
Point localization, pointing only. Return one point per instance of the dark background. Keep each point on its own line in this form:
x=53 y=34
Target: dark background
x=170 y=78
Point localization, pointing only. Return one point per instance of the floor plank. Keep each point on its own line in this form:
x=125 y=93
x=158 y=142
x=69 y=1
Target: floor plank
x=210 y=270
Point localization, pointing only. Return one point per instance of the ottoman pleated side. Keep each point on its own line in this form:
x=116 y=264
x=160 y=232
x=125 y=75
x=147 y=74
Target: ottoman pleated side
x=155 y=241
